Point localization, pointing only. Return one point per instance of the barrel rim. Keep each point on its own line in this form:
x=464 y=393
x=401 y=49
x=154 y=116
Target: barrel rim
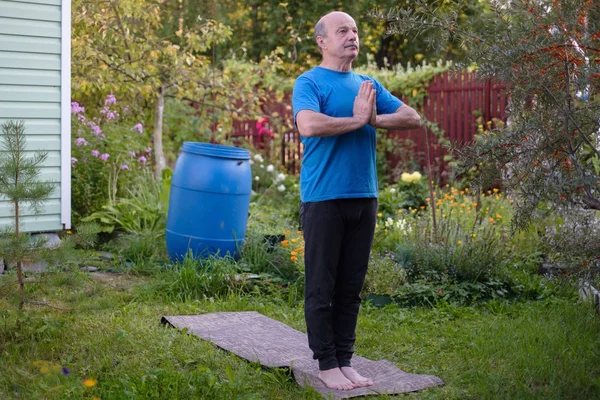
x=215 y=150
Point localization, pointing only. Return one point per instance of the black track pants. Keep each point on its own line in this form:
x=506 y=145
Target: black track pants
x=338 y=235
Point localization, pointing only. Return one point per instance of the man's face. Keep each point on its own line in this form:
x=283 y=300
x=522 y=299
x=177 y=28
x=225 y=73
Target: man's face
x=342 y=37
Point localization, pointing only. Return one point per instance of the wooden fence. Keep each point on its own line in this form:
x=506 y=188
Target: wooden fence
x=454 y=101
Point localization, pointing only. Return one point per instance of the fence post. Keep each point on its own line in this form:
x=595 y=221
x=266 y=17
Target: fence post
x=487 y=109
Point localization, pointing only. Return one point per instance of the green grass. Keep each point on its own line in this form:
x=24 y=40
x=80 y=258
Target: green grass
x=109 y=330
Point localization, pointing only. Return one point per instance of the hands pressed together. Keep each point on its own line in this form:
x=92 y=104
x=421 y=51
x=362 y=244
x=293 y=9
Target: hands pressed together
x=365 y=108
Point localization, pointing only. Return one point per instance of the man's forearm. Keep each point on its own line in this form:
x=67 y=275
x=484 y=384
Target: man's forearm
x=404 y=118
x=321 y=125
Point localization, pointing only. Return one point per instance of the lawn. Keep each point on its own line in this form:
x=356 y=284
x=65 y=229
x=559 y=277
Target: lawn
x=105 y=328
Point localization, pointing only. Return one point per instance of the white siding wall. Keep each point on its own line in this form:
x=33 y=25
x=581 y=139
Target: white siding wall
x=30 y=90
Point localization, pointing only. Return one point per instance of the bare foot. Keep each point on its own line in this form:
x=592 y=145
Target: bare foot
x=355 y=377
x=335 y=379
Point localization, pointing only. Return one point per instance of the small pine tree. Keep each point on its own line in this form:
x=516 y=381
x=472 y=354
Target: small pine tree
x=19 y=184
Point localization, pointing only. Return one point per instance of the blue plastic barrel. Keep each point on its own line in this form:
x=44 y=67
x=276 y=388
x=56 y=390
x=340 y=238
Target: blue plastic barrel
x=209 y=201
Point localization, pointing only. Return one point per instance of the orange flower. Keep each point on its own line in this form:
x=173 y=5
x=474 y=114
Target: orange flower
x=492 y=220
x=87 y=382
x=294 y=258
x=285 y=243
x=69 y=233
x=294 y=253
x=459 y=242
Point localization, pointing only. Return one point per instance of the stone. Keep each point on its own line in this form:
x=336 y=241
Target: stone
x=52 y=241
x=105 y=255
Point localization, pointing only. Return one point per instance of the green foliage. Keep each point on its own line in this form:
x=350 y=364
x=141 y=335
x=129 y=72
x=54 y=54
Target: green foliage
x=470 y=242
x=109 y=151
x=384 y=276
x=407 y=82
x=259 y=256
x=19 y=172
x=408 y=194
x=140 y=212
x=287 y=29
x=19 y=184
x=543 y=51
x=198 y=279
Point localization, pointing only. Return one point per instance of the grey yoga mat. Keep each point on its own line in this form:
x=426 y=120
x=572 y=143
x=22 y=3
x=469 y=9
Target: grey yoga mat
x=271 y=343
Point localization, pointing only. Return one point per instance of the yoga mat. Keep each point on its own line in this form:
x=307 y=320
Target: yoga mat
x=271 y=343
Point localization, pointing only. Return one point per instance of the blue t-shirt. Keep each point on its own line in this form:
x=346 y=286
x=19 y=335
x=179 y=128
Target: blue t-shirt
x=340 y=166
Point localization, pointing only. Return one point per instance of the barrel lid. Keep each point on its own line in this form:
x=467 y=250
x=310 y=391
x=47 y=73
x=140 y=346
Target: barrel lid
x=215 y=150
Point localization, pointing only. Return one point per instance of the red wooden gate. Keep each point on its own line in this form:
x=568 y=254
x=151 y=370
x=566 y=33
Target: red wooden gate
x=455 y=100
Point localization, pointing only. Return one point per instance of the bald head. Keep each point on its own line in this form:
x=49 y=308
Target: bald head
x=321 y=26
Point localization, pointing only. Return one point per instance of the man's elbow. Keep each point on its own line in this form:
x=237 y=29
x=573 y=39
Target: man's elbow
x=306 y=130
x=415 y=121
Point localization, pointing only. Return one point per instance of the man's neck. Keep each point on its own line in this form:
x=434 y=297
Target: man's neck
x=340 y=66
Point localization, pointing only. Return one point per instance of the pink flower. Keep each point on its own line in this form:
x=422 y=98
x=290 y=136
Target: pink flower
x=73 y=160
x=124 y=166
x=76 y=108
x=142 y=159
x=149 y=150
x=111 y=115
x=132 y=153
x=95 y=128
x=95 y=153
x=138 y=127
x=104 y=157
x=110 y=99
x=261 y=122
x=81 y=118
x=81 y=142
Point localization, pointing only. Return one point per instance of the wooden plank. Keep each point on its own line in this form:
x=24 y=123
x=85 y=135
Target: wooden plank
x=52 y=206
x=24 y=27
x=43 y=143
x=16 y=60
x=24 y=77
x=45 y=94
x=39 y=126
x=29 y=110
x=47 y=2
x=42 y=223
x=29 y=44
x=30 y=11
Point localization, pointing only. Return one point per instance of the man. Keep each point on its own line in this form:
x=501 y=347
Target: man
x=336 y=112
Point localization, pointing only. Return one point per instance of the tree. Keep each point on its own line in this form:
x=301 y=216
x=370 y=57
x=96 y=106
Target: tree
x=265 y=26
x=19 y=184
x=548 y=54
x=120 y=46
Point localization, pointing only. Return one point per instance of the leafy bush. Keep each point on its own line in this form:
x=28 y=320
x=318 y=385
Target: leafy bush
x=384 y=276
x=469 y=243
x=279 y=259
x=141 y=212
x=409 y=193
x=108 y=151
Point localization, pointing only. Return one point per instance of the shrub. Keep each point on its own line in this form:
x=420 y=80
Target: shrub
x=384 y=276
x=108 y=151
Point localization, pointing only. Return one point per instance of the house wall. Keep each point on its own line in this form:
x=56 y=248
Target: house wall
x=35 y=88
